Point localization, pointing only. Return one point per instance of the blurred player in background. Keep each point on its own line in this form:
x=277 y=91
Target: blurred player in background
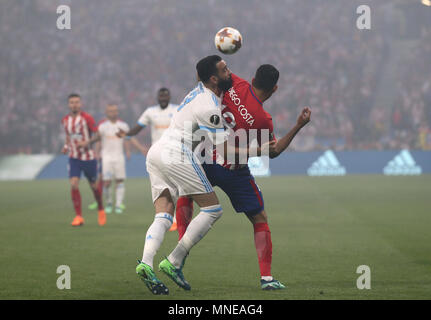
x=243 y=109
x=112 y=157
x=78 y=126
x=158 y=118
x=100 y=181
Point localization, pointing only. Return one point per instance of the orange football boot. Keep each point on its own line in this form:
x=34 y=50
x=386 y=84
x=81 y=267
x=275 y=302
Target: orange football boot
x=174 y=226
x=101 y=217
x=78 y=221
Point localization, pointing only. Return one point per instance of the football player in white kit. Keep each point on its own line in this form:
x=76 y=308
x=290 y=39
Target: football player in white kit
x=158 y=118
x=112 y=154
x=175 y=171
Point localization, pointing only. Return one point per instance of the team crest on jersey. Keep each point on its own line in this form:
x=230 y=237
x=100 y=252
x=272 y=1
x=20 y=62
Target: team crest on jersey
x=215 y=119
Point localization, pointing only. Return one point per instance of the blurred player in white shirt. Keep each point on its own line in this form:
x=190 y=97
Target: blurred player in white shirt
x=112 y=153
x=158 y=118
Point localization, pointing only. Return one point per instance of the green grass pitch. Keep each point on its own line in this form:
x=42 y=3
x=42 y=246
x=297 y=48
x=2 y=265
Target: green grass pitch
x=322 y=230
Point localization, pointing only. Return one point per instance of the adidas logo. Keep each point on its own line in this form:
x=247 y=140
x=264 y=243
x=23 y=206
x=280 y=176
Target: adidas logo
x=326 y=165
x=402 y=164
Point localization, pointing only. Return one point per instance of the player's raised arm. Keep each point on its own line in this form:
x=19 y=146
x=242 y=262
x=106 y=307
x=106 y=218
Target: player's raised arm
x=275 y=149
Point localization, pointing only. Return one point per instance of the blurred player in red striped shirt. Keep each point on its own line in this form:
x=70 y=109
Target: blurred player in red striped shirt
x=78 y=126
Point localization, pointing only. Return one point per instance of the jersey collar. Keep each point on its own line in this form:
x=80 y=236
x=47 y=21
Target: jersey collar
x=251 y=90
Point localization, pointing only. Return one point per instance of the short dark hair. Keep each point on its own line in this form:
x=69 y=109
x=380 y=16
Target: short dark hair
x=266 y=77
x=163 y=89
x=206 y=67
x=73 y=95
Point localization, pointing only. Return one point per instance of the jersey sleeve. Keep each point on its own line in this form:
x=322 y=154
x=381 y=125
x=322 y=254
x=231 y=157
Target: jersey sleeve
x=90 y=122
x=144 y=120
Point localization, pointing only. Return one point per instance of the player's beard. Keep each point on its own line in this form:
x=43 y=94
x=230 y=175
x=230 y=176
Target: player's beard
x=224 y=85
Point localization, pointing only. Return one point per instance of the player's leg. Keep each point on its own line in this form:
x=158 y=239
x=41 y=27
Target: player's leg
x=74 y=175
x=183 y=214
x=210 y=212
x=263 y=244
x=107 y=194
x=107 y=174
x=120 y=189
x=90 y=171
x=164 y=207
x=93 y=205
x=191 y=181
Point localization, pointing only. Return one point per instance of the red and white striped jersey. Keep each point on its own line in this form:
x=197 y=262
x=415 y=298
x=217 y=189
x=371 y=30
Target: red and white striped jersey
x=79 y=128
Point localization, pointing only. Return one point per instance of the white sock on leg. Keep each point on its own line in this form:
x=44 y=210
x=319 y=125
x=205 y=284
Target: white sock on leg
x=196 y=230
x=154 y=237
x=119 y=194
x=107 y=194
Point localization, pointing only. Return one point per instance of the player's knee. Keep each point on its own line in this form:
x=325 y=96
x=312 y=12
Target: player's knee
x=74 y=183
x=215 y=211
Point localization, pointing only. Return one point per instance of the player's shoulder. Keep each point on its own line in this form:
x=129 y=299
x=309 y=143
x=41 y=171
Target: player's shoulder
x=238 y=81
x=65 y=118
x=210 y=99
x=122 y=123
x=86 y=116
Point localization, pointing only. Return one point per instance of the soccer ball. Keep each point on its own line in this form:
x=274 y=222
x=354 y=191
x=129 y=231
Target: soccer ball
x=228 y=40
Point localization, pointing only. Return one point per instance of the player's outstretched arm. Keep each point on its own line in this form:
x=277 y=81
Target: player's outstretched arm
x=132 y=132
x=275 y=149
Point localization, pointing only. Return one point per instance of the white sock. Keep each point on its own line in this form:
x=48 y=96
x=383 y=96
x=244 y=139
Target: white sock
x=119 y=194
x=107 y=194
x=196 y=230
x=267 y=278
x=154 y=237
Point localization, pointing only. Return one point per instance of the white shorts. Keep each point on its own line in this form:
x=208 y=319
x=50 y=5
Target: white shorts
x=181 y=178
x=113 y=169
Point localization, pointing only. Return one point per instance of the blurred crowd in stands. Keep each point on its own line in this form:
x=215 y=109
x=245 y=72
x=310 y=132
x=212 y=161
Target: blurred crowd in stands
x=123 y=51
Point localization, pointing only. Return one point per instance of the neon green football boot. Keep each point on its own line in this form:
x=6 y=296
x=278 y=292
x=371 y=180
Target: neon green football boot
x=146 y=274
x=92 y=206
x=175 y=274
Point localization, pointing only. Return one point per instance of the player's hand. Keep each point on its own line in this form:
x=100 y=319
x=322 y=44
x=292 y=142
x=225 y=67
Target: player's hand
x=304 y=117
x=120 y=133
x=65 y=149
x=128 y=155
x=82 y=144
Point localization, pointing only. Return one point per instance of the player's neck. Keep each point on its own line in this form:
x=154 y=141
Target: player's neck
x=213 y=88
x=261 y=95
x=113 y=120
x=75 y=114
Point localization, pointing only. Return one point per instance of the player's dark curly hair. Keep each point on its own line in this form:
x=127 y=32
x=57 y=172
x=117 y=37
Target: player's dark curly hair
x=206 y=67
x=266 y=77
x=73 y=95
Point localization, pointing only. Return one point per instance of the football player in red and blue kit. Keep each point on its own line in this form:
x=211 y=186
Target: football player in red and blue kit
x=243 y=109
x=78 y=126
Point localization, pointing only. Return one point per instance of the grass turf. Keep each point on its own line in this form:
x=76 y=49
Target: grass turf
x=322 y=230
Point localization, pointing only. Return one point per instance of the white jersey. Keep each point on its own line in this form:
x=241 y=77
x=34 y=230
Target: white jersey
x=201 y=109
x=112 y=146
x=158 y=119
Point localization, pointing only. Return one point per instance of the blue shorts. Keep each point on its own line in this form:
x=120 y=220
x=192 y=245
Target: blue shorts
x=89 y=167
x=239 y=185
